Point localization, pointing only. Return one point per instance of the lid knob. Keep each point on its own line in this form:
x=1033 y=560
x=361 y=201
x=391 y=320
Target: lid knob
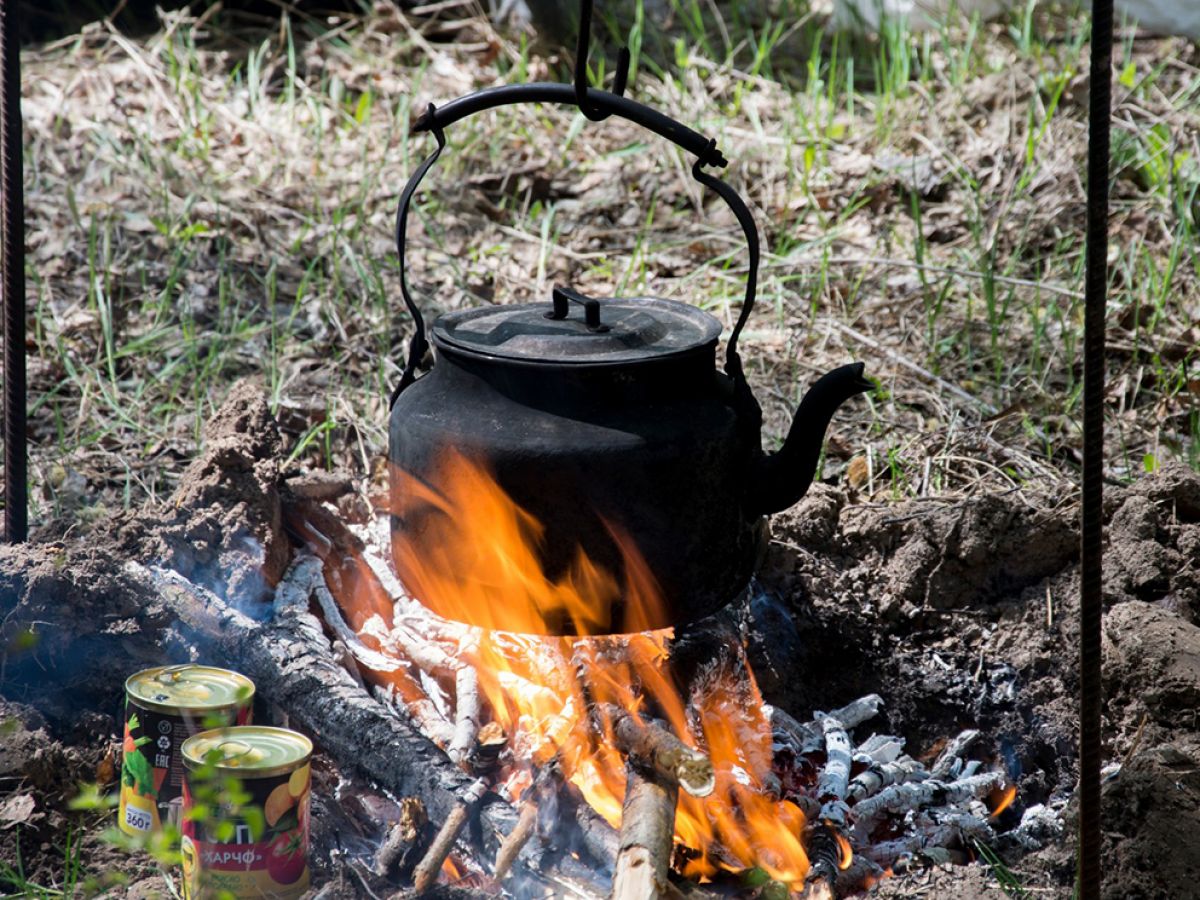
x=563 y=297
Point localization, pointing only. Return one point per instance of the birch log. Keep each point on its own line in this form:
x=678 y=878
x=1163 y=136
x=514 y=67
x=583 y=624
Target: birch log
x=649 y=743
x=647 y=835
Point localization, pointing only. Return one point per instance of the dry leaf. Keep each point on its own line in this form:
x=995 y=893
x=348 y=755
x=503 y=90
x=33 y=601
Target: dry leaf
x=106 y=769
x=17 y=810
x=857 y=472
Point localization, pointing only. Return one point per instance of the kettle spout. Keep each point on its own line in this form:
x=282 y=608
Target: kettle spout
x=781 y=479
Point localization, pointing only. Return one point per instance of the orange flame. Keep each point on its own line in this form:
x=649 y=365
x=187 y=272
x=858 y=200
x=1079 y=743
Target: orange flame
x=845 y=851
x=484 y=569
x=1005 y=800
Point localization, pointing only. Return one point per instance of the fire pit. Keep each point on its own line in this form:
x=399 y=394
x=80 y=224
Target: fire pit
x=664 y=736
x=554 y=736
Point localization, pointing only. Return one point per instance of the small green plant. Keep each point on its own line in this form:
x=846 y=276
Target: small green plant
x=1009 y=883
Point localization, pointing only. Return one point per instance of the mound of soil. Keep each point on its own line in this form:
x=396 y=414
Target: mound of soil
x=223 y=525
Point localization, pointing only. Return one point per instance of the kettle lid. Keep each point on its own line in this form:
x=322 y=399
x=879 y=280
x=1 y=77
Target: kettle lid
x=610 y=331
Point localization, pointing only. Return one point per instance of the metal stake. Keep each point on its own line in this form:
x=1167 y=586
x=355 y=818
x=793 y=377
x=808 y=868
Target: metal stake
x=12 y=286
x=1091 y=541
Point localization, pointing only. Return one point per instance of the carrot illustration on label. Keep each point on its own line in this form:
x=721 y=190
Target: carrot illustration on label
x=137 y=770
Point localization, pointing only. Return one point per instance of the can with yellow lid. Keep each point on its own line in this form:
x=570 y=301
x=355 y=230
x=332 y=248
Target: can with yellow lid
x=164 y=706
x=253 y=785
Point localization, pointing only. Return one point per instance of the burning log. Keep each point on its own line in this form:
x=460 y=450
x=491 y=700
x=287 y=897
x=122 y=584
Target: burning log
x=825 y=856
x=467 y=706
x=306 y=577
x=345 y=657
x=427 y=869
x=423 y=712
x=490 y=742
x=317 y=527
x=314 y=577
x=652 y=745
x=421 y=649
x=599 y=838
x=647 y=834
x=527 y=817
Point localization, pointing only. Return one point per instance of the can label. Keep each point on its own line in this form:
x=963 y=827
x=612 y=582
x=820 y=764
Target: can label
x=256 y=848
x=152 y=766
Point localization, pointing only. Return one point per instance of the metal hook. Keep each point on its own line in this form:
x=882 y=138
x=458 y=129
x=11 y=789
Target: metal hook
x=589 y=109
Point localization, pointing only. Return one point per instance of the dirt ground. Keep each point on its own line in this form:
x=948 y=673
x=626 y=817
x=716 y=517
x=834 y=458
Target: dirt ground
x=960 y=613
x=219 y=226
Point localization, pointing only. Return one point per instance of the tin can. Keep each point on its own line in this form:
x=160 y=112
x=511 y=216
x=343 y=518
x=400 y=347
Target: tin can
x=253 y=785
x=164 y=706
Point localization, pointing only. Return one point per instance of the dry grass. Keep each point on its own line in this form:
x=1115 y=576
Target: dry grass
x=215 y=201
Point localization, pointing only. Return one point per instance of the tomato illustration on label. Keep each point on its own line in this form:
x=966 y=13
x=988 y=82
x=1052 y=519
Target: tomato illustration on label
x=287 y=857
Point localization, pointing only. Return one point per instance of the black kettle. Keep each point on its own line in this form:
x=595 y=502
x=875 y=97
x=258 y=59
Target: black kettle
x=607 y=421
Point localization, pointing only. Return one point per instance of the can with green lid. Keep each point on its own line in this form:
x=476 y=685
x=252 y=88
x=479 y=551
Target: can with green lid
x=164 y=706
x=253 y=782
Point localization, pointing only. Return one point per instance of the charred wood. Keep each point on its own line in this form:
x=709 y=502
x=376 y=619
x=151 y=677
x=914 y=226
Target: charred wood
x=951 y=756
x=406 y=841
x=823 y=854
x=835 y=777
x=902 y=798
x=876 y=777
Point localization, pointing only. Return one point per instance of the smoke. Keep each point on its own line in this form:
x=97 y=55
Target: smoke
x=235 y=572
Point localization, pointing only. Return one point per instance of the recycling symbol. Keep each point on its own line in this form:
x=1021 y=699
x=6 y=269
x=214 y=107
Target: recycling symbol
x=164 y=743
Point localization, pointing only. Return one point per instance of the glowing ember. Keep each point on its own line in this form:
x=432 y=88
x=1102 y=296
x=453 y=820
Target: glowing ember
x=486 y=570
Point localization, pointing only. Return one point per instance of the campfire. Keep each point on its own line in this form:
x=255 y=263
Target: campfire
x=627 y=764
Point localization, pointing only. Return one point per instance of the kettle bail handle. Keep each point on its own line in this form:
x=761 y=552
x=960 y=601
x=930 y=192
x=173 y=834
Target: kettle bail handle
x=435 y=119
x=419 y=345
